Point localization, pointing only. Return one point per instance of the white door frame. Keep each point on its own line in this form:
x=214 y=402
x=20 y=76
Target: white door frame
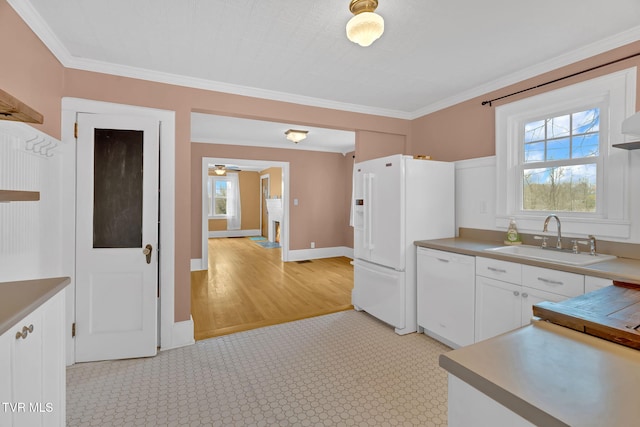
x=268 y=178
x=171 y=334
x=284 y=227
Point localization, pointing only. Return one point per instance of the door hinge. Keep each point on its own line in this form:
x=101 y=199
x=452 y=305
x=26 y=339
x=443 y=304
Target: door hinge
x=75 y=130
x=73 y=330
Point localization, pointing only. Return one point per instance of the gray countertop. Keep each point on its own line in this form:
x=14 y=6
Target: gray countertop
x=621 y=269
x=554 y=376
x=19 y=299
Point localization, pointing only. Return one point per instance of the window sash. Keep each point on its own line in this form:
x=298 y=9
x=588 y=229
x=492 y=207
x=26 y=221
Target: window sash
x=522 y=164
x=213 y=197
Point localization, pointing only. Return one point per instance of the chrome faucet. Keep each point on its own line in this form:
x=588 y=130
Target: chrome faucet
x=546 y=223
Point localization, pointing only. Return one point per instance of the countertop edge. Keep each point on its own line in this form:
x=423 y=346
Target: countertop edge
x=509 y=400
x=604 y=269
x=44 y=290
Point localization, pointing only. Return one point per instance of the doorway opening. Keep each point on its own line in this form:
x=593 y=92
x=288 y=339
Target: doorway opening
x=257 y=166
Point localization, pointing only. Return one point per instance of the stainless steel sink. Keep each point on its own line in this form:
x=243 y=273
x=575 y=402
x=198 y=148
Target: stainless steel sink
x=551 y=255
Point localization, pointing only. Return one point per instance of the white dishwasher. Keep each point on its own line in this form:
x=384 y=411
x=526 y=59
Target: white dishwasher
x=446 y=296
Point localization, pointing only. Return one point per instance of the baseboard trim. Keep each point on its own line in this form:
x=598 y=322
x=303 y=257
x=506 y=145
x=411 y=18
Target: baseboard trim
x=317 y=253
x=234 y=233
x=181 y=335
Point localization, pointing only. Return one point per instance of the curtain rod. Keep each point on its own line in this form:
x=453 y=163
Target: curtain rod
x=561 y=78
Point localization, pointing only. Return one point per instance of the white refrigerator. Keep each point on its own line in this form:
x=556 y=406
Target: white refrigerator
x=397 y=200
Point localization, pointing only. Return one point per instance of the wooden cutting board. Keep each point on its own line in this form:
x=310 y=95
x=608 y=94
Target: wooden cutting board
x=611 y=313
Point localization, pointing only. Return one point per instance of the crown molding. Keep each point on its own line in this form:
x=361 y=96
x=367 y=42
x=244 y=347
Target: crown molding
x=33 y=19
x=198 y=83
x=610 y=43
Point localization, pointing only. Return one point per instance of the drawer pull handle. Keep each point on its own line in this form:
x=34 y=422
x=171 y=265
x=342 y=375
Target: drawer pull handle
x=524 y=295
x=496 y=270
x=25 y=331
x=549 y=281
x=443 y=260
x=516 y=293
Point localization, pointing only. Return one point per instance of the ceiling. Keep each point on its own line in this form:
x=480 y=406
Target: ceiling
x=433 y=53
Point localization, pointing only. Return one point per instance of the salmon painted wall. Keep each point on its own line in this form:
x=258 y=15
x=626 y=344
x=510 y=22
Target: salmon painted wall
x=319 y=181
x=348 y=162
x=372 y=145
x=467 y=130
x=183 y=101
x=29 y=71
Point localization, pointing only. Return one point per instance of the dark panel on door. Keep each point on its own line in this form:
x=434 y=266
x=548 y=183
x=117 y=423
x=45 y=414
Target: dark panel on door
x=117 y=197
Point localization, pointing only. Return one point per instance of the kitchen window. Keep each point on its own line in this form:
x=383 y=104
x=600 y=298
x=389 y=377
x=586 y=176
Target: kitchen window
x=554 y=155
x=561 y=163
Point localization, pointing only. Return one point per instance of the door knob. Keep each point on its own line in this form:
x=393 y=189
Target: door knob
x=147 y=252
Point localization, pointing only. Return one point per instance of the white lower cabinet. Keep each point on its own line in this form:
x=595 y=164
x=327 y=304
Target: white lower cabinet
x=594 y=283
x=463 y=299
x=498 y=297
x=502 y=306
x=34 y=368
x=445 y=296
x=470 y=407
x=498 y=307
x=5 y=376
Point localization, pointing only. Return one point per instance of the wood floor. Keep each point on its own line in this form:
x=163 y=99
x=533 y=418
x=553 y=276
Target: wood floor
x=247 y=287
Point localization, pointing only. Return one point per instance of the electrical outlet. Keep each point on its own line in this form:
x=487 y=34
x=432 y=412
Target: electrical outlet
x=313 y=245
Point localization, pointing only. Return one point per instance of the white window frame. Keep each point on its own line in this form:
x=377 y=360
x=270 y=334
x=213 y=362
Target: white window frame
x=615 y=95
x=213 y=179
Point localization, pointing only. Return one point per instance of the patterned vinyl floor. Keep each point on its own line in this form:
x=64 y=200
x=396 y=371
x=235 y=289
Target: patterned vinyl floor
x=341 y=369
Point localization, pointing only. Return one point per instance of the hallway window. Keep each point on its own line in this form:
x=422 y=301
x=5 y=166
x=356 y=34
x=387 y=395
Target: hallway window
x=217 y=191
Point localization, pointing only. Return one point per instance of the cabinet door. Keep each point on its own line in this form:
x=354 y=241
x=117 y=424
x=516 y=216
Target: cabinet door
x=594 y=283
x=38 y=367
x=5 y=374
x=498 y=307
x=446 y=295
x=27 y=371
x=531 y=296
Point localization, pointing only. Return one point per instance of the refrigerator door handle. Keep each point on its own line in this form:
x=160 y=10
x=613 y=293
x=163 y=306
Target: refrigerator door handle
x=369 y=229
x=365 y=206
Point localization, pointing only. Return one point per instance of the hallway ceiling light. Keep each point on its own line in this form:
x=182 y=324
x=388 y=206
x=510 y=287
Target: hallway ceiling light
x=366 y=26
x=220 y=170
x=296 y=135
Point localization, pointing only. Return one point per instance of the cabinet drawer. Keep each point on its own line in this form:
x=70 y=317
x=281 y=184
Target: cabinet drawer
x=500 y=270
x=554 y=281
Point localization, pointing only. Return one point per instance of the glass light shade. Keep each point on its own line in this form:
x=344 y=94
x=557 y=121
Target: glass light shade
x=296 y=135
x=365 y=28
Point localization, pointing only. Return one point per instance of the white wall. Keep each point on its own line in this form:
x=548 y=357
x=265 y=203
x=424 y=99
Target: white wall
x=29 y=231
x=476 y=195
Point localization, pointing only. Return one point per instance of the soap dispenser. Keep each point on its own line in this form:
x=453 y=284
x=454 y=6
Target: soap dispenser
x=513 y=237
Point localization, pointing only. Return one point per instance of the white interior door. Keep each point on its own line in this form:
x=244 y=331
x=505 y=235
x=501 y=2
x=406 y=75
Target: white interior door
x=117 y=220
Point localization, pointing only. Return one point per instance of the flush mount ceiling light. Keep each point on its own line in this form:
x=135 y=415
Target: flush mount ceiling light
x=220 y=170
x=296 y=135
x=366 y=26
